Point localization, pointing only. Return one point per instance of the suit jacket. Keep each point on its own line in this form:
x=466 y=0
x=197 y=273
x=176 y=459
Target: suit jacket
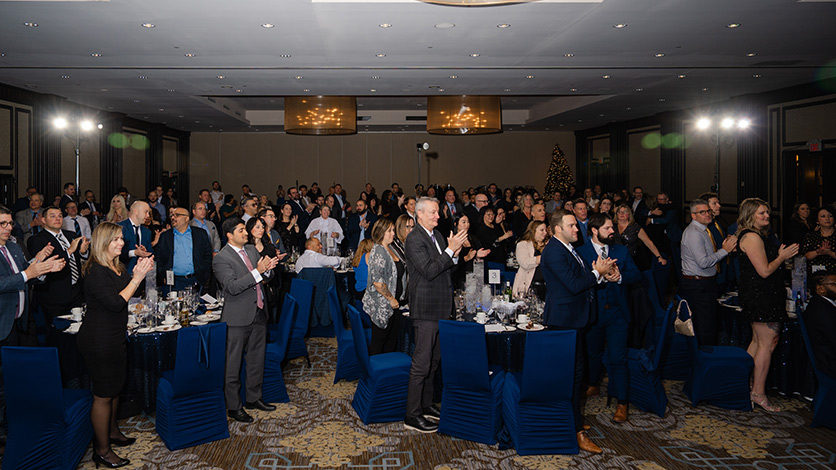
x=129 y=237
x=430 y=283
x=24 y=218
x=606 y=292
x=640 y=214
x=568 y=303
x=201 y=255
x=91 y=218
x=57 y=287
x=304 y=218
x=239 y=286
x=820 y=320
x=353 y=229
x=65 y=199
x=10 y=286
x=214 y=236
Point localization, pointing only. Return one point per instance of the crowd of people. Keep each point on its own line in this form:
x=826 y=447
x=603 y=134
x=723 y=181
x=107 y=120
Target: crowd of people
x=581 y=252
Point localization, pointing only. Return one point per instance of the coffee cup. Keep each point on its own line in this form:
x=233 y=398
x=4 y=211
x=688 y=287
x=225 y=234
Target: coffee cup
x=76 y=311
x=481 y=317
x=169 y=320
x=522 y=318
x=172 y=294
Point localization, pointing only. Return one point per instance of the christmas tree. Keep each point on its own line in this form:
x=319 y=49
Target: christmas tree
x=559 y=177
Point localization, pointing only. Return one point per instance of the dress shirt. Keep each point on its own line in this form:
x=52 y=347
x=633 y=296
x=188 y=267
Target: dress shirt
x=160 y=208
x=325 y=226
x=217 y=197
x=83 y=225
x=138 y=231
x=698 y=255
x=636 y=203
x=202 y=224
x=314 y=259
x=599 y=249
x=363 y=218
x=183 y=261
x=451 y=207
x=241 y=252
x=571 y=249
x=438 y=247
x=246 y=217
x=832 y=302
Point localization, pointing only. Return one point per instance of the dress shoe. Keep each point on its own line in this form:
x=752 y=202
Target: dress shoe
x=99 y=460
x=585 y=443
x=259 y=405
x=593 y=391
x=122 y=442
x=419 y=424
x=432 y=413
x=241 y=416
x=620 y=415
x=586 y=427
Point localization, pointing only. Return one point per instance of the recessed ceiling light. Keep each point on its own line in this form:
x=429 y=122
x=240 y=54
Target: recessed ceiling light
x=507 y=89
x=445 y=25
x=103 y=90
x=143 y=77
x=605 y=77
x=298 y=77
x=662 y=100
x=161 y=109
x=268 y=25
x=454 y=77
x=221 y=77
x=239 y=91
x=569 y=54
x=628 y=108
x=380 y=55
x=375 y=77
x=441 y=89
x=136 y=101
x=680 y=76
x=705 y=89
x=529 y=77
x=475 y=54
x=733 y=25
x=285 y=56
x=659 y=54
x=373 y=90
x=171 y=90
x=639 y=89
x=149 y=25
x=65 y=77
x=503 y=25
x=619 y=25
x=600 y=115
x=573 y=90
x=385 y=25
x=757 y=75
x=95 y=54
x=751 y=54
x=30 y=24
x=188 y=54
x=306 y=90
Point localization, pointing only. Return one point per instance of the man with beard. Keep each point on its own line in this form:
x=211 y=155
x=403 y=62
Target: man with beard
x=359 y=225
x=612 y=311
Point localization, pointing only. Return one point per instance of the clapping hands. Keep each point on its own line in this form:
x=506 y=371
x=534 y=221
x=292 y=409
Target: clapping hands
x=266 y=263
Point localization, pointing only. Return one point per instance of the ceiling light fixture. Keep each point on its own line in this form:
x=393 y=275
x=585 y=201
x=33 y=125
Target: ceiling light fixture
x=298 y=77
x=568 y=54
x=639 y=90
x=268 y=25
x=221 y=77
x=503 y=26
x=188 y=54
x=573 y=90
x=757 y=75
x=464 y=114
x=445 y=25
x=705 y=89
x=307 y=90
x=380 y=55
x=619 y=25
x=605 y=77
x=529 y=77
x=95 y=54
x=149 y=25
x=680 y=76
x=454 y=77
x=733 y=25
x=659 y=54
x=661 y=100
x=475 y=54
x=285 y=56
x=320 y=115
x=31 y=24
x=143 y=77
x=751 y=54
x=373 y=90
x=65 y=77
x=385 y=25
x=507 y=89
x=171 y=90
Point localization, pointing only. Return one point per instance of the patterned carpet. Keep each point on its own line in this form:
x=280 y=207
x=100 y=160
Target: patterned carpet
x=318 y=429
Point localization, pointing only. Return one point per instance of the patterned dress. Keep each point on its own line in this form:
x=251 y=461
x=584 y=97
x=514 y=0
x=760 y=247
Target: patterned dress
x=763 y=300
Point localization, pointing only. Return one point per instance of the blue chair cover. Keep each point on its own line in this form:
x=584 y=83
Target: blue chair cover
x=273 y=389
x=48 y=426
x=302 y=291
x=347 y=367
x=471 y=401
x=719 y=375
x=322 y=279
x=537 y=402
x=646 y=390
x=381 y=391
x=190 y=398
x=676 y=360
x=661 y=274
x=824 y=402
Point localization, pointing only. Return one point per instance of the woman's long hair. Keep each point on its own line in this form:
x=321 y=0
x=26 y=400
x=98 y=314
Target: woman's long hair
x=123 y=214
x=528 y=236
x=746 y=216
x=103 y=234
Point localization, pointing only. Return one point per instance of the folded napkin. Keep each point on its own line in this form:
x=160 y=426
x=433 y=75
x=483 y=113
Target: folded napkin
x=494 y=328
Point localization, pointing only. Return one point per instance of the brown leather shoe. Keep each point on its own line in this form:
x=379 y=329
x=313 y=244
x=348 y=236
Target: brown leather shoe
x=586 y=427
x=620 y=415
x=586 y=444
x=593 y=391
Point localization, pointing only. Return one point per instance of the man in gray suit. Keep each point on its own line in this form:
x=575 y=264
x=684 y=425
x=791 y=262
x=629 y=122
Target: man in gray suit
x=240 y=272
x=31 y=219
x=430 y=258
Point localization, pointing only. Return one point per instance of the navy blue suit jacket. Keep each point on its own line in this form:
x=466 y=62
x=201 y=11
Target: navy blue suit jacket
x=353 y=230
x=568 y=302
x=10 y=286
x=201 y=255
x=129 y=237
x=629 y=275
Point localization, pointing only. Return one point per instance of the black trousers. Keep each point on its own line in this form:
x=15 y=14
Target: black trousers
x=425 y=361
x=701 y=295
x=385 y=340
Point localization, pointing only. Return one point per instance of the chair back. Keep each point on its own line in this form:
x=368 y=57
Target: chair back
x=336 y=313
x=803 y=327
x=199 y=364
x=649 y=283
x=302 y=291
x=32 y=382
x=322 y=279
x=464 y=355
x=360 y=346
x=543 y=382
x=662 y=341
x=661 y=274
x=289 y=312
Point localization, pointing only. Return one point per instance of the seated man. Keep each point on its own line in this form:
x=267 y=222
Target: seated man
x=820 y=319
x=313 y=257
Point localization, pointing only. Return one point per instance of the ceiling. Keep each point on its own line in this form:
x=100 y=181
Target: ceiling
x=557 y=65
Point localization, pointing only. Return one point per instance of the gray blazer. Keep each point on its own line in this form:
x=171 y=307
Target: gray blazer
x=430 y=284
x=381 y=269
x=239 y=286
x=24 y=218
x=214 y=237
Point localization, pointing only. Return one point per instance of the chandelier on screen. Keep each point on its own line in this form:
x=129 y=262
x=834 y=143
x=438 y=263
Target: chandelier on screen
x=464 y=114
x=320 y=115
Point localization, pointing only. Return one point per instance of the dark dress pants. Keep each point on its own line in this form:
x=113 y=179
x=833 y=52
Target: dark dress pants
x=425 y=361
x=385 y=340
x=609 y=331
x=701 y=295
x=248 y=342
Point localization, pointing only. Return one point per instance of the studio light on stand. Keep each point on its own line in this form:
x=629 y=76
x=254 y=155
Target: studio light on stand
x=77 y=129
x=723 y=133
x=421 y=146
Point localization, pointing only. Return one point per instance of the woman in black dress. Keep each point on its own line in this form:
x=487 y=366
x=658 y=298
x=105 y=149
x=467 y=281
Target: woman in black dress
x=491 y=235
x=471 y=248
x=257 y=236
x=819 y=244
x=799 y=225
x=101 y=338
x=288 y=227
x=762 y=293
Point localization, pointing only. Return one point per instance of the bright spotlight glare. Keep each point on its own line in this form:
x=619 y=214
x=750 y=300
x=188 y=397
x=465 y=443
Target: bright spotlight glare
x=743 y=123
x=727 y=123
x=703 y=123
x=60 y=123
x=99 y=126
x=86 y=125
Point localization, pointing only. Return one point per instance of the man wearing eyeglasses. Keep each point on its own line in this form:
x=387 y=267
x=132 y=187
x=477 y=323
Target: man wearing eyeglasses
x=699 y=270
x=184 y=256
x=820 y=320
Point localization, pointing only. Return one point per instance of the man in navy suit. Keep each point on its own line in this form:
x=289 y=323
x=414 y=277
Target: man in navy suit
x=185 y=252
x=360 y=225
x=569 y=297
x=581 y=211
x=613 y=313
x=820 y=319
x=131 y=230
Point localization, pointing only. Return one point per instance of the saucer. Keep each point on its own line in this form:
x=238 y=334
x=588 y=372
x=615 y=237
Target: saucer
x=534 y=327
x=197 y=323
x=165 y=328
x=145 y=330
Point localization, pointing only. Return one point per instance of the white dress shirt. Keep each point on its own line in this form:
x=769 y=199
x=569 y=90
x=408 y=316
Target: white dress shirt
x=82 y=223
x=314 y=259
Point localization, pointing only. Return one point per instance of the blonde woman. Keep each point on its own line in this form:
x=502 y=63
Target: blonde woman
x=101 y=338
x=118 y=210
x=529 y=247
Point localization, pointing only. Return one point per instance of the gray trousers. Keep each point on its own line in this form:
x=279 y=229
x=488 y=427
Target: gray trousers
x=425 y=362
x=245 y=341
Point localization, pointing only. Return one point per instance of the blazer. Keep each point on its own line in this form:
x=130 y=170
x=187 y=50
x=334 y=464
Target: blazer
x=91 y=218
x=820 y=319
x=201 y=255
x=430 y=281
x=214 y=236
x=640 y=214
x=10 y=286
x=353 y=229
x=528 y=264
x=568 y=303
x=57 y=287
x=129 y=238
x=24 y=218
x=239 y=286
x=606 y=291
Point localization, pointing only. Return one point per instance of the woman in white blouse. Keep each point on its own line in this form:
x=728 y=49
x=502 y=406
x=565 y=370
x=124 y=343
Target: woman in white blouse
x=529 y=247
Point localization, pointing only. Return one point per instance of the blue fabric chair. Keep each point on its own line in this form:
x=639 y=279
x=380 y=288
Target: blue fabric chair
x=273 y=389
x=191 y=409
x=719 y=375
x=48 y=426
x=676 y=359
x=347 y=366
x=302 y=291
x=471 y=401
x=322 y=279
x=661 y=274
x=824 y=402
x=381 y=391
x=537 y=402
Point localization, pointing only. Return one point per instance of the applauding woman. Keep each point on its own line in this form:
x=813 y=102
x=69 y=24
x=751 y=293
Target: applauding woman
x=819 y=244
x=386 y=282
x=101 y=338
x=529 y=248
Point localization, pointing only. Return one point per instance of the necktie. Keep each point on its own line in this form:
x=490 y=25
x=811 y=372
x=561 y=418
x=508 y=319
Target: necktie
x=36 y=228
x=73 y=266
x=577 y=257
x=714 y=244
x=452 y=208
x=136 y=231
x=604 y=253
x=260 y=300
x=435 y=242
x=77 y=227
x=14 y=270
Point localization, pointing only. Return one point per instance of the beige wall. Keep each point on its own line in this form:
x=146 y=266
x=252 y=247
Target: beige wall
x=265 y=160
x=133 y=170
x=644 y=163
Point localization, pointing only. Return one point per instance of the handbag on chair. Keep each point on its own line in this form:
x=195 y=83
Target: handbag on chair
x=684 y=327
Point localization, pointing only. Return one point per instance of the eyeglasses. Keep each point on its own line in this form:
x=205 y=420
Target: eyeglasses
x=179 y=215
x=6 y=224
x=707 y=211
